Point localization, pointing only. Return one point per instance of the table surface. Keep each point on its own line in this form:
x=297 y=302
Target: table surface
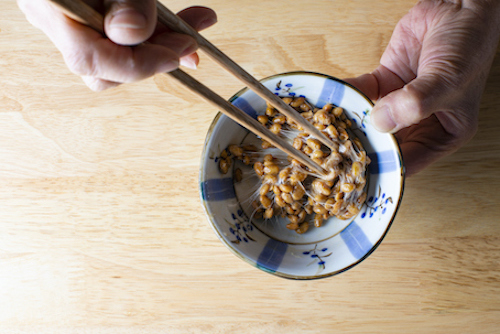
x=102 y=230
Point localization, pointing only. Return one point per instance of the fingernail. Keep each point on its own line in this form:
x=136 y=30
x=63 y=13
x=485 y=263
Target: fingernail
x=127 y=18
x=381 y=118
x=188 y=62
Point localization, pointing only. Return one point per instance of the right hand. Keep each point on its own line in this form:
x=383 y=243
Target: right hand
x=119 y=58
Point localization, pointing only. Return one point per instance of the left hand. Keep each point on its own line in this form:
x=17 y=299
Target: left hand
x=431 y=77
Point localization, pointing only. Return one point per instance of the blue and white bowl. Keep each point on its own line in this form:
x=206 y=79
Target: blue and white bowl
x=336 y=246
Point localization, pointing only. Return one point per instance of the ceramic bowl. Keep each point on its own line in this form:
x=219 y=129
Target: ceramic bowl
x=336 y=246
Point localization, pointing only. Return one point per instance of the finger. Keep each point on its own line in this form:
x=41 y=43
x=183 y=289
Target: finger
x=377 y=84
x=182 y=45
x=88 y=54
x=101 y=58
x=409 y=105
x=417 y=157
x=366 y=83
x=425 y=143
x=431 y=139
x=129 y=22
x=97 y=84
x=108 y=61
x=198 y=17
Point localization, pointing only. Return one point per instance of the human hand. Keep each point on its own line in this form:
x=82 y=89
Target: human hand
x=106 y=62
x=431 y=77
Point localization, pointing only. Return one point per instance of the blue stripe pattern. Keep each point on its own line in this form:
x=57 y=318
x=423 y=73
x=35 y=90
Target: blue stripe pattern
x=217 y=189
x=356 y=240
x=382 y=162
x=332 y=92
x=243 y=104
x=271 y=256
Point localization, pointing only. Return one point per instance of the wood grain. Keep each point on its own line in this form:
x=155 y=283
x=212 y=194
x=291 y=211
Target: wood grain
x=101 y=225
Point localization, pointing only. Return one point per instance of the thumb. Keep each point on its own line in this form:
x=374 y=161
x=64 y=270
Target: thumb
x=130 y=22
x=409 y=105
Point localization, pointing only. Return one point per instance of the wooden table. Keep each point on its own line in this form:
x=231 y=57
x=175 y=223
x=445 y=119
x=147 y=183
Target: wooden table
x=101 y=227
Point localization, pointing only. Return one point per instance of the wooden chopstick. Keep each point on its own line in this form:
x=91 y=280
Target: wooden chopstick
x=245 y=120
x=83 y=13
x=174 y=22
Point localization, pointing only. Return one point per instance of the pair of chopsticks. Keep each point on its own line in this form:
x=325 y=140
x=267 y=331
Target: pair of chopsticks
x=83 y=13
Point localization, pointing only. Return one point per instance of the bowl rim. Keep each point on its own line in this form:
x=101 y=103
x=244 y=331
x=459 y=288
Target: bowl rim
x=254 y=264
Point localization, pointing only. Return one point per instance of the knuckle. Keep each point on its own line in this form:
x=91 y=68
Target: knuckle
x=416 y=102
x=408 y=107
x=94 y=84
x=81 y=63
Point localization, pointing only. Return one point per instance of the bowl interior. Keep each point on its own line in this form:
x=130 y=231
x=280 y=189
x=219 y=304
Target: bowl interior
x=338 y=244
